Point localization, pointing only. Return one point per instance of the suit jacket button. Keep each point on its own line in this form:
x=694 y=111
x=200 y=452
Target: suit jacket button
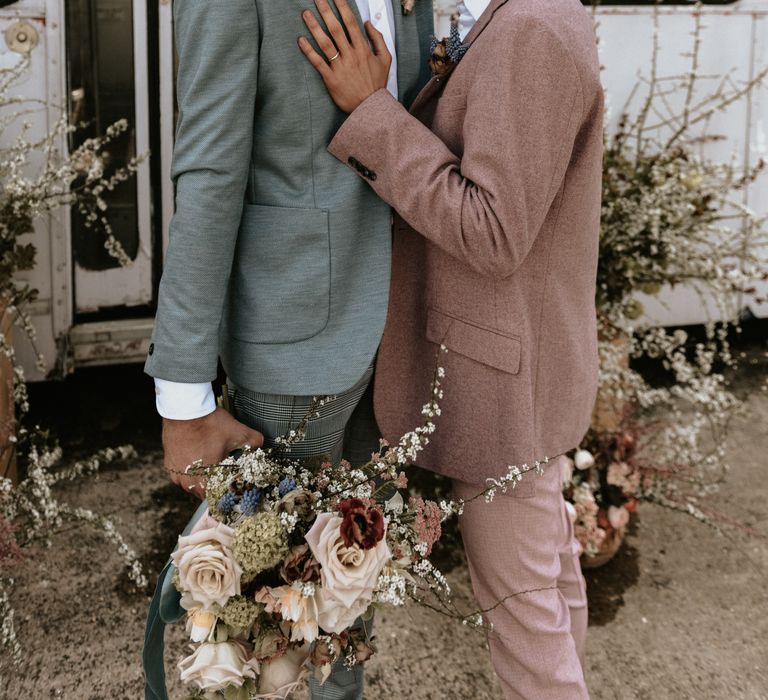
x=371 y=176
x=151 y=348
x=353 y=162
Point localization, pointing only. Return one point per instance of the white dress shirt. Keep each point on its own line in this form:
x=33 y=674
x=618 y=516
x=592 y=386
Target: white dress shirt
x=379 y=13
x=182 y=401
x=469 y=12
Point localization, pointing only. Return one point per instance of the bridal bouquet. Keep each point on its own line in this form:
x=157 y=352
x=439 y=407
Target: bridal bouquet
x=289 y=555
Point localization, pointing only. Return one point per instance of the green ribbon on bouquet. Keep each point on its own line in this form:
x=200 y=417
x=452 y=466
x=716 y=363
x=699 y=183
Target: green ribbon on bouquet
x=165 y=609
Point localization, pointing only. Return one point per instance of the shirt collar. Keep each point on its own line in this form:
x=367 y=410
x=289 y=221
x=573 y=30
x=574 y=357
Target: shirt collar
x=476 y=7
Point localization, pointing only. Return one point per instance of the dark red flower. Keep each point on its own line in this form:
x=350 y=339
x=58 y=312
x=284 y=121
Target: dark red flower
x=362 y=524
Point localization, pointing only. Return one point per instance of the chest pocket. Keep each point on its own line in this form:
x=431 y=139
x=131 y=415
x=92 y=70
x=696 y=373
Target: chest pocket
x=281 y=277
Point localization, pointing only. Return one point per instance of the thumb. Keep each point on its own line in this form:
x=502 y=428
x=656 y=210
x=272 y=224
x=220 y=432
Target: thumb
x=377 y=41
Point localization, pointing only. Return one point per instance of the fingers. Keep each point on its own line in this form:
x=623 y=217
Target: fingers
x=196 y=488
x=377 y=41
x=193 y=484
x=315 y=59
x=243 y=436
x=351 y=24
x=320 y=36
x=336 y=30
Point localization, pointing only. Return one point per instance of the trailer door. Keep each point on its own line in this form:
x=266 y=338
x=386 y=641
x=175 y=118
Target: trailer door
x=108 y=52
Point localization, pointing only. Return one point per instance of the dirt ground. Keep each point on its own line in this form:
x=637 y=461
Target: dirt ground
x=682 y=612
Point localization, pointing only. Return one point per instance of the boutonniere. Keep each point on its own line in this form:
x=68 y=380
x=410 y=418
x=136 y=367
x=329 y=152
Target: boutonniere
x=446 y=53
x=407 y=6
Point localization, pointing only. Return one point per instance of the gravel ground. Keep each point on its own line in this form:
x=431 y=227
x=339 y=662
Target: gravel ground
x=681 y=612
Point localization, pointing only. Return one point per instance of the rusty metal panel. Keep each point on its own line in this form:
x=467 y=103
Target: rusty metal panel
x=110 y=342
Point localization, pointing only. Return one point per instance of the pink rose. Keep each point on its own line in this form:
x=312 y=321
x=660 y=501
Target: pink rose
x=349 y=573
x=208 y=572
x=618 y=517
x=335 y=616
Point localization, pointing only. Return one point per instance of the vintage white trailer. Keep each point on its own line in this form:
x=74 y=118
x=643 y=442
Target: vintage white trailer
x=107 y=59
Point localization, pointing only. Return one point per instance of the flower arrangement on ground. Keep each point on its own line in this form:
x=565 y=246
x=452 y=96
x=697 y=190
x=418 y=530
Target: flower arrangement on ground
x=670 y=216
x=602 y=489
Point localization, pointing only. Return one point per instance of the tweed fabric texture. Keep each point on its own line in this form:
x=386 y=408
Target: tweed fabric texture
x=498 y=167
x=337 y=426
x=279 y=257
x=522 y=543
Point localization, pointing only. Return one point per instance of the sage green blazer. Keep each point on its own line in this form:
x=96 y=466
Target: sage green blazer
x=279 y=255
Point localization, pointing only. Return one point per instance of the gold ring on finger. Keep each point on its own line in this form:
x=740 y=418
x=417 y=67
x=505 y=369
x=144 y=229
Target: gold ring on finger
x=333 y=58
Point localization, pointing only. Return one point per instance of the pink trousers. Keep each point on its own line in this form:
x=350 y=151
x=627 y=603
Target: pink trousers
x=521 y=550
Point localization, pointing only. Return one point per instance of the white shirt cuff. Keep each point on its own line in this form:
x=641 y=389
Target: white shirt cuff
x=180 y=401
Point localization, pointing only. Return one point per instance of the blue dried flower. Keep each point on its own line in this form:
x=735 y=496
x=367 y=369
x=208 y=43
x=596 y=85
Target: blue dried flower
x=227 y=502
x=454 y=48
x=250 y=500
x=286 y=486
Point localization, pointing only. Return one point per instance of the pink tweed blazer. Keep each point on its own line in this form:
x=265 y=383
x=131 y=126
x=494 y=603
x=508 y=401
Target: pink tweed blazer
x=495 y=177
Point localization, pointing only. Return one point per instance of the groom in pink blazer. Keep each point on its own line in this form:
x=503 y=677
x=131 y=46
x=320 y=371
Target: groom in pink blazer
x=495 y=177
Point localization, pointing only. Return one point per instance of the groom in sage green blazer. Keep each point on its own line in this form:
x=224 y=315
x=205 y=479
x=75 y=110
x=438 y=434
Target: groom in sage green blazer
x=279 y=255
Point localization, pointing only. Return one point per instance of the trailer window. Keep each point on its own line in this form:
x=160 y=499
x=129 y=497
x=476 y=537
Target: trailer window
x=101 y=81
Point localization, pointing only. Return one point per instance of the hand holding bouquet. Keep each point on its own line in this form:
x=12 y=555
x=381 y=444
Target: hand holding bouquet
x=290 y=555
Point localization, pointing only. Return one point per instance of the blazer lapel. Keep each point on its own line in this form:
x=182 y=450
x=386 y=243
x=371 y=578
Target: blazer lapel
x=483 y=20
x=438 y=82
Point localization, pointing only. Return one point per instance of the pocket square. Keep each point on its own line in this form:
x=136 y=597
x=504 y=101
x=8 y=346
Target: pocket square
x=448 y=52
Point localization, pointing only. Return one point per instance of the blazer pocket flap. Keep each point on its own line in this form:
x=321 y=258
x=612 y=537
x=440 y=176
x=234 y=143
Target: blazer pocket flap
x=483 y=345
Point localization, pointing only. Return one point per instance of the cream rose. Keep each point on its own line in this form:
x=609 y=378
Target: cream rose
x=348 y=574
x=208 y=572
x=334 y=616
x=270 y=644
x=583 y=459
x=217 y=665
x=279 y=678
